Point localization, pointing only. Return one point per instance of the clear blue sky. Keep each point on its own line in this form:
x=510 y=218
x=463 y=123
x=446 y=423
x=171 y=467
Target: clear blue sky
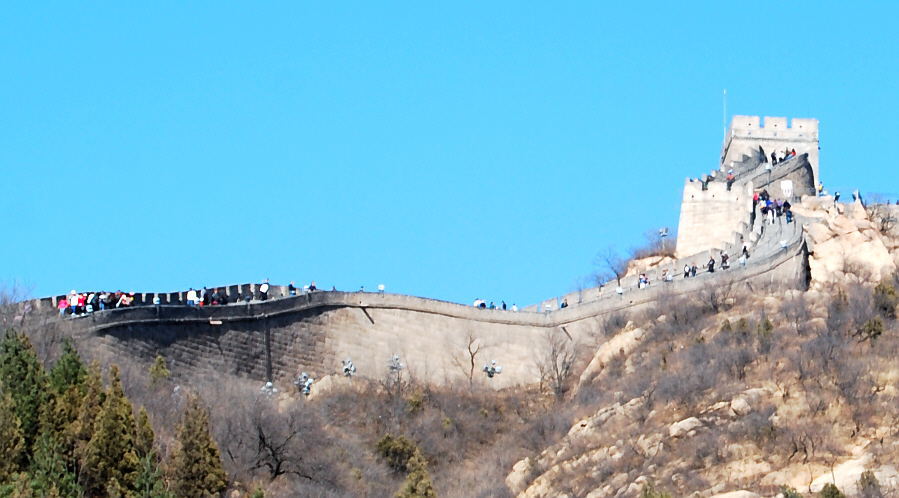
x=454 y=150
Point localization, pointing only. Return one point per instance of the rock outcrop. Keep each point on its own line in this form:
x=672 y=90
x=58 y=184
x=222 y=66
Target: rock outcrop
x=845 y=245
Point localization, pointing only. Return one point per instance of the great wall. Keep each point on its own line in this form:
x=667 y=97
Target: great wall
x=313 y=332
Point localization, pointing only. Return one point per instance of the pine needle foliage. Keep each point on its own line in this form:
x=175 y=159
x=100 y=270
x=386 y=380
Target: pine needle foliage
x=158 y=371
x=110 y=457
x=12 y=444
x=196 y=466
x=24 y=378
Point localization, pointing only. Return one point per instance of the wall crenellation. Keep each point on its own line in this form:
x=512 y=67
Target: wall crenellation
x=755 y=126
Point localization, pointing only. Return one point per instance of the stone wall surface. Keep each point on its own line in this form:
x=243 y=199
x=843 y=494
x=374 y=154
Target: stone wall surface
x=278 y=338
x=709 y=217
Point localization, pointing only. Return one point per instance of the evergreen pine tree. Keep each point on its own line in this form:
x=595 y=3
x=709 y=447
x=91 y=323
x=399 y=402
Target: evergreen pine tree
x=418 y=481
x=67 y=385
x=11 y=441
x=50 y=475
x=149 y=482
x=68 y=370
x=110 y=459
x=59 y=418
x=196 y=464
x=24 y=378
x=143 y=434
x=19 y=487
x=158 y=371
x=80 y=432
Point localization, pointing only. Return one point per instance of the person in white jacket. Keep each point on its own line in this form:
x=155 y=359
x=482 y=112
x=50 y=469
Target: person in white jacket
x=191 y=297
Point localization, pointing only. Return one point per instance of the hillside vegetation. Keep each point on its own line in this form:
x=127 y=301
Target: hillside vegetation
x=732 y=391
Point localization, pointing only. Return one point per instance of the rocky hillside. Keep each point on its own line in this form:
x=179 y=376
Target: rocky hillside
x=734 y=390
x=742 y=391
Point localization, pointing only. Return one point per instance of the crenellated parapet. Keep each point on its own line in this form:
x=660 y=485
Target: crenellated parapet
x=773 y=134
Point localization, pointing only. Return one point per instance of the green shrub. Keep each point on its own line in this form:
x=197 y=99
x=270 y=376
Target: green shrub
x=158 y=370
x=831 y=491
x=869 y=486
x=649 y=491
x=415 y=402
x=418 y=481
x=789 y=492
x=886 y=299
x=872 y=329
x=397 y=451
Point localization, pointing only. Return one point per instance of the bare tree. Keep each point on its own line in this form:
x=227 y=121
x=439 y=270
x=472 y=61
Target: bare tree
x=881 y=213
x=611 y=265
x=796 y=310
x=13 y=304
x=656 y=245
x=556 y=362
x=717 y=296
x=468 y=362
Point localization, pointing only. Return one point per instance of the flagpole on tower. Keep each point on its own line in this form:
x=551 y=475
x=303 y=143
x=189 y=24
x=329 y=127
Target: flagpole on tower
x=724 y=115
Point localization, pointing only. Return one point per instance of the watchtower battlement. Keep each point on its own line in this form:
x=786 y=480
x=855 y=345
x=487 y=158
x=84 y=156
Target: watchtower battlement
x=747 y=134
x=773 y=127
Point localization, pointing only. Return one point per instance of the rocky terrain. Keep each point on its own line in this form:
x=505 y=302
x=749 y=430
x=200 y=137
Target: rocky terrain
x=746 y=392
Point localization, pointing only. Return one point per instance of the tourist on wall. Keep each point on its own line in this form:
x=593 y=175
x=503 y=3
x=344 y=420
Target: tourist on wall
x=191 y=297
x=263 y=290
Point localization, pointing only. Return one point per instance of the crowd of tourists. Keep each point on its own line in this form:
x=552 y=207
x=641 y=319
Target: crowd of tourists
x=788 y=154
x=772 y=209
x=481 y=304
x=81 y=303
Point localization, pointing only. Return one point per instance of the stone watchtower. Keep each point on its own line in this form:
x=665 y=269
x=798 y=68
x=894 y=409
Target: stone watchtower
x=747 y=133
x=714 y=215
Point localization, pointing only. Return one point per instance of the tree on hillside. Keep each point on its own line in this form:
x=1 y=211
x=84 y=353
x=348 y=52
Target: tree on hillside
x=158 y=371
x=150 y=482
x=555 y=362
x=79 y=433
x=50 y=476
x=23 y=377
x=196 y=464
x=610 y=265
x=67 y=387
x=11 y=441
x=468 y=363
x=418 y=480
x=881 y=213
x=143 y=434
x=110 y=457
x=68 y=370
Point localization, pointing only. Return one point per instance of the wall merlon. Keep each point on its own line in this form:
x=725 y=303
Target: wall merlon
x=743 y=125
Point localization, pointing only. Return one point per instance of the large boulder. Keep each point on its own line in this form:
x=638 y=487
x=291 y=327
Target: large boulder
x=845 y=248
x=679 y=429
